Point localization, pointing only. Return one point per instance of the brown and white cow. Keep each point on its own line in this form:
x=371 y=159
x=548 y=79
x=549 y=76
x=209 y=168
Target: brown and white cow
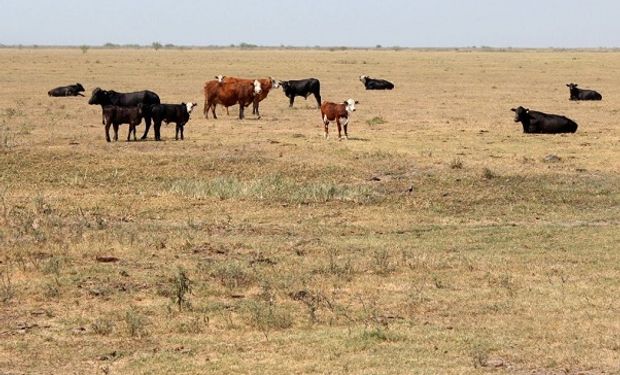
x=339 y=113
x=229 y=91
x=266 y=85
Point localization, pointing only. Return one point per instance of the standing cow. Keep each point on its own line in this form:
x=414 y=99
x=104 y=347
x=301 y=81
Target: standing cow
x=302 y=87
x=266 y=85
x=132 y=99
x=229 y=91
x=539 y=122
x=339 y=113
x=177 y=113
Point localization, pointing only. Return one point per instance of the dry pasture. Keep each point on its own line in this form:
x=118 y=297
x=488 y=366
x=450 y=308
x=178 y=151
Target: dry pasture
x=437 y=240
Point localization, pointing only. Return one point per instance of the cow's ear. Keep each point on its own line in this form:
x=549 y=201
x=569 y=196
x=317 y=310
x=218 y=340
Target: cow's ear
x=513 y=109
x=356 y=102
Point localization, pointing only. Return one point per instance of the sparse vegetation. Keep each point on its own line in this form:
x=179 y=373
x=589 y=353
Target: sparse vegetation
x=376 y=121
x=444 y=234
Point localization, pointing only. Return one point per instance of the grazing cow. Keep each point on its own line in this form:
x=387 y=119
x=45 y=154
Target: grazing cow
x=582 y=94
x=132 y=99
x=266 y=84
x=229 y=91
x=116 y=115
x=538 y=122
x=376 y=84
x=177 y=113
x=71 y=90
x=339 y=113
x=302 y=87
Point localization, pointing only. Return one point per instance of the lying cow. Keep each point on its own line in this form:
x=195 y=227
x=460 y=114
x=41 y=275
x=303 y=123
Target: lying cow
x=177 y=113
x=538 y=122
x=376 y=84
x=71 y=90
x=339 y=113
x=582 y=94
x=302 y=87
x=132 y=99
x=229 y=91
x=115 y=115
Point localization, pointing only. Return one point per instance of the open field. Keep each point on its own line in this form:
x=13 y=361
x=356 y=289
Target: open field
x=437 y=240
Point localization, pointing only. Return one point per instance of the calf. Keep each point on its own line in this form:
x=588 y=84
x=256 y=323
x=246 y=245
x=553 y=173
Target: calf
x=302 y=87
x=339 y=113
x=376 y=84
x=71 y=90
x=115 y=115
x=177 y=113
x=582 y=94
x=538 y=122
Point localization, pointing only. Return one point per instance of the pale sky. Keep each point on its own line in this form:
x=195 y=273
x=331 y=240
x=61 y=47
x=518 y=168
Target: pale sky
x=355 y=23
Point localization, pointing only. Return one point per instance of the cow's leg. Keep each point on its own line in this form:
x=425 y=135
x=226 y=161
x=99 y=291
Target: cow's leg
x=134 y=132
x=241 y=109
x=291 y=101
x=255 y=110
x=176 y=133
x=157 y=128
x=147 y=120
x=131 y=129
x=339 y=127
x=325 y=126
x=227 y=113
x=317 y=96
x=205 y=109
x=212 y=105
x=107 y=131
x=345 y=124
x=115 y=126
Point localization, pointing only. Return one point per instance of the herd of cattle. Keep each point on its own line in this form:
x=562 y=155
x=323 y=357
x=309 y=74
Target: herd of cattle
x=130 y=108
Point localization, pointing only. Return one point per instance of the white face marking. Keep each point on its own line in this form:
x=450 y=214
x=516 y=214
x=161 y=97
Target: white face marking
x=257 y=87
x=362 y=78
x=275 y=83
x=219 y=78
x=350 y=105
x=190 y=107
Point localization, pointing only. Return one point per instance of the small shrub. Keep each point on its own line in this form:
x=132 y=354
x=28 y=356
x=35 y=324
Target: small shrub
x=488 y=174
x=267 y=316
x=135 y=324
x=383 y=262
x=84 y=48
x=456 y=163
x=376 y=121
x=182 y=287
x=7 y=290
x=103 y=327
x=233 y=275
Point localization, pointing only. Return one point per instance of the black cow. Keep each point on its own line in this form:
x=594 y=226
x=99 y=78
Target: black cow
x=132 y=99
x=538 y=122
x=302 y=87
x=177 y=113
x=115 y=115
x=376 y=84
x=581 y=94
x=71 y=90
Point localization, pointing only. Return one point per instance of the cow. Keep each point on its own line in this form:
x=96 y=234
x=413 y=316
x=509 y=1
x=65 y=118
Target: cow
x=116 y=115
x=229 y=91
x=71 y=90
x=302 y=87
x=110 y=97
x=582 y=94
x=177 y=113
x=339 y=113
x=266 y=85
x=538 y=122
x=376 y=84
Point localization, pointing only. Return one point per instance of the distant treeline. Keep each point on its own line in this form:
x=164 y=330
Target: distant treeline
x=248 y=46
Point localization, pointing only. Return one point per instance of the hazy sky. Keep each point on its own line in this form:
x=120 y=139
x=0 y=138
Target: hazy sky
x=406 y=23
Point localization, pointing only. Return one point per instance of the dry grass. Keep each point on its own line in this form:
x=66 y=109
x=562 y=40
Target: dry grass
x=436 y=240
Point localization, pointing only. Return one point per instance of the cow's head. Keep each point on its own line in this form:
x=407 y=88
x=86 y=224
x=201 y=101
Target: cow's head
x=220 y=78
x=274 y=83
x=363 y=78
x=350 y=103
x=257 y=87
x=190 y=106
x=571 y=86
x=520 y=113
x=100 y=97
x=79 y=87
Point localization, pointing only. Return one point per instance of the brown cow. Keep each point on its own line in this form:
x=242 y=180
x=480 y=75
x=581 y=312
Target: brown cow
x=230 y=91
x=339 y=113
x=266 y=85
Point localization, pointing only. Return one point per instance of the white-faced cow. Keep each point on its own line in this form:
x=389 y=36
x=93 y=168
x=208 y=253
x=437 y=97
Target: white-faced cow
x=266 y=85
x=376 y=84
x=582 y=94
x=71 y=90
x=132 y=99
x=302 y=87
x=229 y=91
x=339 y=113
x=167 y=113
x=538 y=122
